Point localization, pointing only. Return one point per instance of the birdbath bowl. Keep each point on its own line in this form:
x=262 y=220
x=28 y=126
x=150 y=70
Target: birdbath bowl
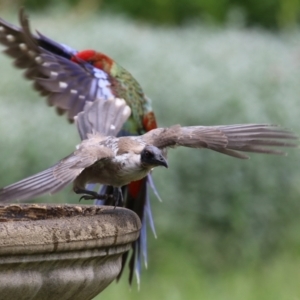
x=62 y=251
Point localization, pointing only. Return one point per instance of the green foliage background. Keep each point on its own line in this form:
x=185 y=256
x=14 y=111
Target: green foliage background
x=227 y=229
x=265 y=13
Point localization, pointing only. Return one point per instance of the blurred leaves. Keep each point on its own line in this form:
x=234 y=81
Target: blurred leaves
x=264 y=13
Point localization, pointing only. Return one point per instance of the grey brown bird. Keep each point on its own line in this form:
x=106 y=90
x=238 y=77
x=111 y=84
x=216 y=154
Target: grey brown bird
x=103 y=158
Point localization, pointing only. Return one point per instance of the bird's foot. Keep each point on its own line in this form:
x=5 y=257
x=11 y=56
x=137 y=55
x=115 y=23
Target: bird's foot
x=91 y=195
x=115 y=198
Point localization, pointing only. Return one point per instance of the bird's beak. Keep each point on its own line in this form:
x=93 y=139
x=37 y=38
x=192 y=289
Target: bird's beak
x=161 y=161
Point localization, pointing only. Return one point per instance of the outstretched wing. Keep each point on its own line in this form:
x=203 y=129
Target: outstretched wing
x=70 y=85
x=227 y=139
x=25 y=47
x=67 y=84
x=58 y=176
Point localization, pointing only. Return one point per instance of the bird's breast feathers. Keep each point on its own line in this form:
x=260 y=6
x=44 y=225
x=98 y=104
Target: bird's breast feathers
x=129 y=167
x=116 y=171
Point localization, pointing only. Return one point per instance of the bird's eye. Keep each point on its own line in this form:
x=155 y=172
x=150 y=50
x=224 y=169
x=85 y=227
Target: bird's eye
x=147 y=154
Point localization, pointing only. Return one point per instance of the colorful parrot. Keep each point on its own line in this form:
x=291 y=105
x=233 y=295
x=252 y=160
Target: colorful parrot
x=68 y=79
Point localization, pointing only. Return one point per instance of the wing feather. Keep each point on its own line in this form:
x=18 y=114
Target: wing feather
x=67 y=84
x=226 y=139
x=58 y=176
x=103 y=117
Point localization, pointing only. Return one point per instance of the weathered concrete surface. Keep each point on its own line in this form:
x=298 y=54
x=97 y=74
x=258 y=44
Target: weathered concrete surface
x=62 y=251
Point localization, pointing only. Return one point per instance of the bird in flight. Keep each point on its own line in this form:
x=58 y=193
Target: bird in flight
x=68 y=79
x=117 y=161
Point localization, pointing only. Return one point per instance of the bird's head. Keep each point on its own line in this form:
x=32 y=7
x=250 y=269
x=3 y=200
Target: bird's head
x=153 y=157
x=97 y=59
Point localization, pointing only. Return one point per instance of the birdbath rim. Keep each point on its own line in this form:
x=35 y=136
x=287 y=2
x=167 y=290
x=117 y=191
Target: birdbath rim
x=61 y=227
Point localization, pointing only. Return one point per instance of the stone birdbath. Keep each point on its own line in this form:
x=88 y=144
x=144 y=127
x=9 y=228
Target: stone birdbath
x=62 y=251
